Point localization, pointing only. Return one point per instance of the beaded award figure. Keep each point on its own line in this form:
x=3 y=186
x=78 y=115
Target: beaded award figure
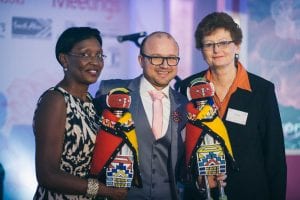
x=207 y=142
x=115 y=158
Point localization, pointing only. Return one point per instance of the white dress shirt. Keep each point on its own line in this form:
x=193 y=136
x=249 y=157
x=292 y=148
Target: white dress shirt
x=145 y=87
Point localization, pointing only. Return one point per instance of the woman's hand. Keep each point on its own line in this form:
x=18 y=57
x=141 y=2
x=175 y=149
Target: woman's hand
x=119 y=194
x=112 y=192
x=213 y=180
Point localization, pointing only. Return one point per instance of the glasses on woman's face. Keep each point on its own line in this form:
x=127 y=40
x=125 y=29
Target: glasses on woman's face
x=209 y=46
x=159 y=60
x=87 y=57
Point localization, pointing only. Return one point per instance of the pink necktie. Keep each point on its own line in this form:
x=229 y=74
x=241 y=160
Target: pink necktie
x=157 y=117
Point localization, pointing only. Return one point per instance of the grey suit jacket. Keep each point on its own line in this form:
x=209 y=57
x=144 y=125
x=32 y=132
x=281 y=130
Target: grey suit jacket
x=177 y=118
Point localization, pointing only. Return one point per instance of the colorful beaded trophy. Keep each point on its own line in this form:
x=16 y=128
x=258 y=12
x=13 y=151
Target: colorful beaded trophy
x=115 y=158
x=207 y=141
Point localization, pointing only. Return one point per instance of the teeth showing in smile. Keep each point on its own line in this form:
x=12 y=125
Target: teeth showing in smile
x=92 y=71
x=160 y=72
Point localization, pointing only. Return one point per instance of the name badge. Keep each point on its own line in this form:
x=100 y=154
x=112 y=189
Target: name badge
x=236 y=116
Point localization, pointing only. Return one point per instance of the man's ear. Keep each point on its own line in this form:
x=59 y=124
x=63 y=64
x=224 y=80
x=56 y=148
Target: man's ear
x=140 y=59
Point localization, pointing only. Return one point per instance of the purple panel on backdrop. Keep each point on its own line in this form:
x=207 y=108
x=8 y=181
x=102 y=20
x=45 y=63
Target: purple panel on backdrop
x=293 y=178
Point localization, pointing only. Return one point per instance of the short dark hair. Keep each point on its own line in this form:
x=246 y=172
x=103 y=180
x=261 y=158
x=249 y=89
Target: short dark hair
x=72 y=36
x=216 y=20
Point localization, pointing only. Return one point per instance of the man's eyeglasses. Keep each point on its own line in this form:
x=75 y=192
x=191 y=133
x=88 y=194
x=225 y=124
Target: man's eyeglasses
x=87 y=57
x=212 y=45
x=158 y=60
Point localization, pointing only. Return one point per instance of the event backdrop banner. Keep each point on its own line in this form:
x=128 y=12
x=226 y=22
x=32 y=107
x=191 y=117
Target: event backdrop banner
x=28 y=33
x=274 y=53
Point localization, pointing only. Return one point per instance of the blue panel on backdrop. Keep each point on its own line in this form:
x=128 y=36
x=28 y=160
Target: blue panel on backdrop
x=31 y=27
x=273 y=53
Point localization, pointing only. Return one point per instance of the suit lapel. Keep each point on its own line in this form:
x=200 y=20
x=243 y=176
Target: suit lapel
x=134 y=87
x=137 y=109
x=174 y=102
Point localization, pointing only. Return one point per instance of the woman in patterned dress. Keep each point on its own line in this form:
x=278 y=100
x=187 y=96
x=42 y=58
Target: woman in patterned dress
x=65 y=122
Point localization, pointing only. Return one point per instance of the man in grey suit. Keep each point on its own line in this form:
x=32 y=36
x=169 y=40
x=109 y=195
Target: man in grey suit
x=158 y=155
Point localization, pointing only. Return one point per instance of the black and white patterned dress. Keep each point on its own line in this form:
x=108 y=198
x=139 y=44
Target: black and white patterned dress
x=80 y=135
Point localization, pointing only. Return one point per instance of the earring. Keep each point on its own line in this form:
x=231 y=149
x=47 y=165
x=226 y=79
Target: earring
x=236 y=59
x=65 y=69
x=236 y=56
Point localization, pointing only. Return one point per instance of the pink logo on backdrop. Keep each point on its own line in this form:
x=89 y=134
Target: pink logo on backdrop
x=110 y=8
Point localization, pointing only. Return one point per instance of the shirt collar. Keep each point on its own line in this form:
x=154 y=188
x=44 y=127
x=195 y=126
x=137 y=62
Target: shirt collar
x=241 y=79
x=147 y=86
